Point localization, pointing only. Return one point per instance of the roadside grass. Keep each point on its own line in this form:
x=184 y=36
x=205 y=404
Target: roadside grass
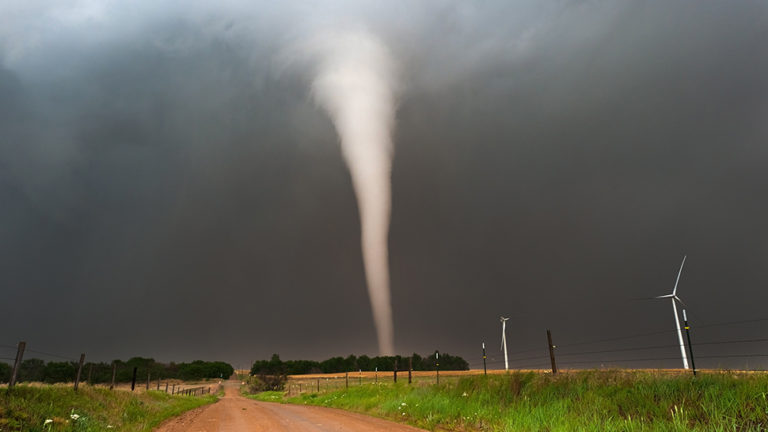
x=26 y=408
x=594 y=400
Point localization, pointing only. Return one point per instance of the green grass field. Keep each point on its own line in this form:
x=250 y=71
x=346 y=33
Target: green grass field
x=26 y=408
x=572 y=401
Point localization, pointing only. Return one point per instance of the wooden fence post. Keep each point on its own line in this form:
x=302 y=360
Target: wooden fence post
x=17 y=363
x=147 y=379
x=346 y=379
x=410 y=368
x=79 y=370
x=133 y=380
x=114 y=372
x=551 y=352
x=166 y=386
x=395 y=374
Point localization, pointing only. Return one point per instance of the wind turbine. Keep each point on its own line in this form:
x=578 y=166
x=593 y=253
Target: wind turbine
x=504 y=341
x=675 y=298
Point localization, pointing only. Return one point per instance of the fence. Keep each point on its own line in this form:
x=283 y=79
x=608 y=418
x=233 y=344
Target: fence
x=601 y=352
x=85 y=374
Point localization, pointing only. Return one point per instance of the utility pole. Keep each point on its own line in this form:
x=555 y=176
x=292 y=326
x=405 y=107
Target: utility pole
x=551 y=352
x=79 y=370
x=485 y=369
x=690 y=346
x=17 y=363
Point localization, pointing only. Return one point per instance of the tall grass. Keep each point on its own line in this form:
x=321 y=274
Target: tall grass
x=573 y=401
x=26 y=408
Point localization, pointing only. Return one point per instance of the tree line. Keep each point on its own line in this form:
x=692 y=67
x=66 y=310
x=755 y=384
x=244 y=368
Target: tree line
x=36 y=370
x=275 y=366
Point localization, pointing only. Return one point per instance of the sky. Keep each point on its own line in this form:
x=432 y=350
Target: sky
x=170 y=189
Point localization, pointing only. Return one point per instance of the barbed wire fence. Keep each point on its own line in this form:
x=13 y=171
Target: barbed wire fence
x=168 y=386
x=566 y=356
x=572 y=355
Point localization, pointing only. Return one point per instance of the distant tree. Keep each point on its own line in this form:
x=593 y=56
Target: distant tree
x=350 y=363
x=269 y=375
x=299 y=367
x=447 y=362
x=32 y=370
x=100 y=372
x=56 y=372
x=418 y=362
x=364 y=363
x=275 y=366
x=5 y=372
x=199 y=369
x=333 y=365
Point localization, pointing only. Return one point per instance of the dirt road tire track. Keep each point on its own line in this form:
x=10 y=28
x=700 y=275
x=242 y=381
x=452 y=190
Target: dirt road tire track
x=234 y=413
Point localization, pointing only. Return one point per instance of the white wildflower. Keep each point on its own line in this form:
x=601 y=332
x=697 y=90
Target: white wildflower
x=47 y=421
x=74 y=416
x=464 y=394
x=403 y=404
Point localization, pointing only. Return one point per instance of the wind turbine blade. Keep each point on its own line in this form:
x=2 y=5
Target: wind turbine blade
x=678 y=275
x=665 y=296
x=678 y=300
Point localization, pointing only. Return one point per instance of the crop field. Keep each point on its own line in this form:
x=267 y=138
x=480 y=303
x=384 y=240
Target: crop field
x=589 y=400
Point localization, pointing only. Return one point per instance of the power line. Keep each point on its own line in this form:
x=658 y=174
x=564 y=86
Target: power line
x=662 y=332
x=662 y=346
x=51 y=355
x=732 y=342
x=665 y=358
x=732 y=322
x=616 y=338
x=617 y=350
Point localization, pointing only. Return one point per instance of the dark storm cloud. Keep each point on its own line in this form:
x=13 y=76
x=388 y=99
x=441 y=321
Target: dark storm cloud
x=169 y=190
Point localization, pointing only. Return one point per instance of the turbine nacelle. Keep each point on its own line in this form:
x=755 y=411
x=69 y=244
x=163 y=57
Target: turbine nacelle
x=672 y=296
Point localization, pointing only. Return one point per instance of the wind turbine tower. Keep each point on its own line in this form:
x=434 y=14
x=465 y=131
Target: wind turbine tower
x=675 y=298
x=504 y=341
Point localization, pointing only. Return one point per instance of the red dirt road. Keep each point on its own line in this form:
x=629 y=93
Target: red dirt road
x=234 y=413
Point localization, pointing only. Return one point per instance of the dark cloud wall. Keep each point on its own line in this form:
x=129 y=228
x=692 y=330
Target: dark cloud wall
x=169 y=189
